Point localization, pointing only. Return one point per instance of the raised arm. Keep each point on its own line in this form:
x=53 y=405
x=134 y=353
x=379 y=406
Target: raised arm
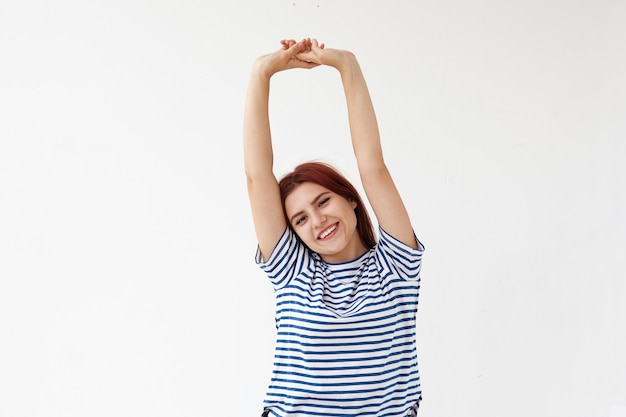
x=263 y=191
x=378 y=184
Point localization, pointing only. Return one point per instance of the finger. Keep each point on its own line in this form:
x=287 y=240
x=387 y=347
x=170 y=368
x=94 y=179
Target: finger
x=316 y=45
x=295 y=49
x=287 y=43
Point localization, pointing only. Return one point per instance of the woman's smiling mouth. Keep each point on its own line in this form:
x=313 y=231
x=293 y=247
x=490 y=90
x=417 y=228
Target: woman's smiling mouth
x=328 y=231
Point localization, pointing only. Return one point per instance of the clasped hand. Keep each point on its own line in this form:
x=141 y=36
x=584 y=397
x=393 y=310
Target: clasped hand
x=307 y=53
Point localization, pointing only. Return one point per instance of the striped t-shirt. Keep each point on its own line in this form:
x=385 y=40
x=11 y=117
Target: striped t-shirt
x=345 y=332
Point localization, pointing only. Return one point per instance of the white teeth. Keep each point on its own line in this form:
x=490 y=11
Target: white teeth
x=328 y=231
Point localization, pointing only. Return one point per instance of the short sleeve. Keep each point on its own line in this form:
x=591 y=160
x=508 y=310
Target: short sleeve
x=288 y=259
x=399 y=257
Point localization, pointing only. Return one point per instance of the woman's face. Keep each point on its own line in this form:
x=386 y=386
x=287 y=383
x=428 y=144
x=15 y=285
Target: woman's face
x=325 y=222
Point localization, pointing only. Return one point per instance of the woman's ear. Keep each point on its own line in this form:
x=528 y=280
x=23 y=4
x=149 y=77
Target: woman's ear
x=353 y=203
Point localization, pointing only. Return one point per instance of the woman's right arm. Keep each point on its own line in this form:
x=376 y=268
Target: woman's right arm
x=263 y=191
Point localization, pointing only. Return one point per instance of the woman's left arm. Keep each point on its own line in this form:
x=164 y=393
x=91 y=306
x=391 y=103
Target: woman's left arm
x=378 y=184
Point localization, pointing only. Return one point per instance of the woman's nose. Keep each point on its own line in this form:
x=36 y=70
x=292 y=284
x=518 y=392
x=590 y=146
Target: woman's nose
x=320 y=219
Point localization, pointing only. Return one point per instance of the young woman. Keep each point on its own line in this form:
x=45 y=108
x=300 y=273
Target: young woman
x=345 y=302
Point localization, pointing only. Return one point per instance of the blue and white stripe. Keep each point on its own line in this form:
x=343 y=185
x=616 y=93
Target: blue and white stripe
x=345 y=344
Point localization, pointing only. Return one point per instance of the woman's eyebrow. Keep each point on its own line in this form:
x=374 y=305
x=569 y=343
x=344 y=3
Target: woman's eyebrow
x=319 y=196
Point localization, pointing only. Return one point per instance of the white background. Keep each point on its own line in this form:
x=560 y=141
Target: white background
x=127 y=281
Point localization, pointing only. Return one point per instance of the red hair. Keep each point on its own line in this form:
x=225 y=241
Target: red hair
x=326 y=176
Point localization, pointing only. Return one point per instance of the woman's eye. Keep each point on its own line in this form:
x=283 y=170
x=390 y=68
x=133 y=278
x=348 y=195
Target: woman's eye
x=299 y=220
x=324 y=201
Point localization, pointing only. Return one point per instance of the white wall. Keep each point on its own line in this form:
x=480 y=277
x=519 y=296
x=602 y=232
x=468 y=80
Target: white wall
x=127 y=281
